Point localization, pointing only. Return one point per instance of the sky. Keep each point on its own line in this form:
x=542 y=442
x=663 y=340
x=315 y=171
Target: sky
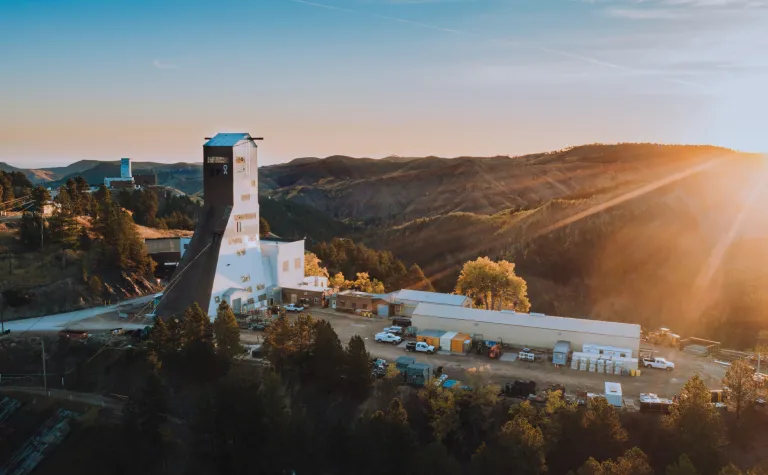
x=150 y=79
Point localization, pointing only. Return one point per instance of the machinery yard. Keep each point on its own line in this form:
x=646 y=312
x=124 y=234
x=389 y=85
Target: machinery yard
x=663 y=383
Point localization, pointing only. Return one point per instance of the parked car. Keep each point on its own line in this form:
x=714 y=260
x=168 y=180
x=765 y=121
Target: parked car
x=420 y=347
x=519 y=388
x=293 y=308
x=403 y=322
x=385 y=337
x=395 y=330
x=259 y=326
x=659 y=363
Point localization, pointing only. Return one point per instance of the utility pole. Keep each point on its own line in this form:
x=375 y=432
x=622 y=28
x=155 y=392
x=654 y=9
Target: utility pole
x=45 y=376
x=42 y=228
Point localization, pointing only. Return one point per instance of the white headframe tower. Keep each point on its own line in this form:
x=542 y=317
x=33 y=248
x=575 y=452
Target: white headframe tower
x=224 y=259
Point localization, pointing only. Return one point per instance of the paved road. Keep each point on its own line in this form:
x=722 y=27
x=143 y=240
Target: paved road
x=56 y=322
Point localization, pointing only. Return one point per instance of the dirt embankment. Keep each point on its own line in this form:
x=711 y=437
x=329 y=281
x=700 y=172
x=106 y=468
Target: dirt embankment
x=53 y=280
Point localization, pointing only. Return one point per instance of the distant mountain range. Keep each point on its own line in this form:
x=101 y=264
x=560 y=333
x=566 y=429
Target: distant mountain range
x=186 y=177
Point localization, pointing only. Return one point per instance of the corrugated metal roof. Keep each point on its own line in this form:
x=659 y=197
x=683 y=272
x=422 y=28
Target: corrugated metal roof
x=596 y=327
x=431 y=297
x=562 y=347
x=226 y=139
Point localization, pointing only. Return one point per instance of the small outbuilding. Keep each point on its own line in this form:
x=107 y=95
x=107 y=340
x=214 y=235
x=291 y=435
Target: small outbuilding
x=561 y=352
x=613 y=394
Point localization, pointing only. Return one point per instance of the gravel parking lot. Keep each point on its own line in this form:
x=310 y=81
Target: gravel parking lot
x=663 y=383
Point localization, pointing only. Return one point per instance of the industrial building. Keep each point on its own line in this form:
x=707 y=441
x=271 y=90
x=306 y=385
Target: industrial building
x=410 y=299
x=313 y=291
x=167 y=253
x=126 y=176
x=524 y=329
x=226 y=259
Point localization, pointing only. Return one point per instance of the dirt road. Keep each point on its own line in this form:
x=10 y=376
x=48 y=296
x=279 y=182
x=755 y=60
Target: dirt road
x=663 y=383
x=86 y=319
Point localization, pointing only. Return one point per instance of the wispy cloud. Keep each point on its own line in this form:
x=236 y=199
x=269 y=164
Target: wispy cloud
x=418 y=2
x=322 y=5
x=159 y=64
x=538 y=47
x=682 y=4
x=643 y=13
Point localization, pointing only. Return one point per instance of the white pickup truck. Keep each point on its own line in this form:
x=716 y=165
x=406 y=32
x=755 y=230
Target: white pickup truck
x=659 y=363
x=421 y=347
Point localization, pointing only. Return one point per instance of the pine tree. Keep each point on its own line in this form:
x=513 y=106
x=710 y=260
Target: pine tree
x=194 y=325
x=327 y=356
x=633 y=462
x=227 y=332
x=175 y=335
x=684 y=466
x=357 y=368
x=601 y=422
x=519 y=449
x=143 y=419
x=742 y=387
x=416 y=280
x=159 y=338
x=40 y=196
x=696 y=425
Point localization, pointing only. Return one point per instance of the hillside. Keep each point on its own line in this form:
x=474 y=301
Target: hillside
x=620 y=232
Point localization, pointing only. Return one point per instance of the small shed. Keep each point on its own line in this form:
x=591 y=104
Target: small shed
x=431 y=337
x=613 y=394
x=461 y=343
x=445 y=340
x=560 y=353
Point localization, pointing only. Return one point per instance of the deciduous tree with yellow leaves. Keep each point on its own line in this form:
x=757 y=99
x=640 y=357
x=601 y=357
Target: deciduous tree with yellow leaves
x=495 y=284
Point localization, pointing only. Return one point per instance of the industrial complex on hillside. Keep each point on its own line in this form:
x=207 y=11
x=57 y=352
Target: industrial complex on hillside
x=227 y=261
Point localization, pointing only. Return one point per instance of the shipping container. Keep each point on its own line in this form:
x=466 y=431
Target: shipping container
x=461 y=343
x=430 y=337
x=418 y=374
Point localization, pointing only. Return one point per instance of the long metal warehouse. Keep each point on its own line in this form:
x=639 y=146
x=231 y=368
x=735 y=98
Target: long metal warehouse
x=524 y=329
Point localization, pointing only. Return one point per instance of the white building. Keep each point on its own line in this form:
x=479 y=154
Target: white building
x=283 y=261
x=524 y=329
x=126 y=176
x=410 y=299
x=226 y=259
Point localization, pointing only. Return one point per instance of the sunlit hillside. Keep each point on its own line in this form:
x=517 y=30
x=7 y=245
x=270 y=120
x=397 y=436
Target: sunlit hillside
x=660 y=235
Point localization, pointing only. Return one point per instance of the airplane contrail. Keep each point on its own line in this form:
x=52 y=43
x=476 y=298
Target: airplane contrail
x=544 y=49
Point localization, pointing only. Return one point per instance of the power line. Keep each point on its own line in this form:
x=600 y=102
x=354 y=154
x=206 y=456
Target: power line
x=168 y=287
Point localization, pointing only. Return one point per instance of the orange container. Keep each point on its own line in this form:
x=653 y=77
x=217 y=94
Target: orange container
x=459 y=343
